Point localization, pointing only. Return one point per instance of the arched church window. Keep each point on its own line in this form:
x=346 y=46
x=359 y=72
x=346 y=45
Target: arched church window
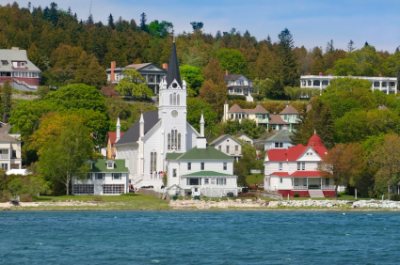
x=177 y=100
x=174 y=140
x=170 y=99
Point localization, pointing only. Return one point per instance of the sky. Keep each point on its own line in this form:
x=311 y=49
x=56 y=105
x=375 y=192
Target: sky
x=312 y=23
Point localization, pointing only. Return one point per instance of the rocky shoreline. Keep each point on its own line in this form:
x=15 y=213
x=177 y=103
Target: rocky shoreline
x=283 y=204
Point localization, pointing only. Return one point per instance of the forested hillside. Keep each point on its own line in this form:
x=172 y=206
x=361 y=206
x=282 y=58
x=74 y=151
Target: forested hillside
x=69 y=50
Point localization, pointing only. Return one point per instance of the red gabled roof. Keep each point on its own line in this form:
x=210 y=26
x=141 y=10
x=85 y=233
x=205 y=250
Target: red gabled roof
x=112 y=136
x=280 y=174
x=294 y=153
x=304 y=173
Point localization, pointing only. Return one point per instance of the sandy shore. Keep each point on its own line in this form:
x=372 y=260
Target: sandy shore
x=8 y=205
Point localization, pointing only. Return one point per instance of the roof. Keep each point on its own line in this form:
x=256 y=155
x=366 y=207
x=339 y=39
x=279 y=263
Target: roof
x=207 y=174
x=100 y=165
x=112 y=136
x=280 y=136
x=222 y=138
x=289 y=109
x=132 y=134
x=173 y=67
x=237 y=109
x=208 y=153
x=233 y=77
x=295 y=152
x=4 y=135
x=173 y=156
x=298 y=174
x=276 y=119
x=138 y=66
x=15 y=54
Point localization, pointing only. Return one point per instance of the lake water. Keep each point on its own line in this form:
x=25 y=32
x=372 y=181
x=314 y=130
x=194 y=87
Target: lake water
x=240 y=237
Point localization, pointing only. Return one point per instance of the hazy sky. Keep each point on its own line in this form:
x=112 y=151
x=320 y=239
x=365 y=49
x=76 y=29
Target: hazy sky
x=312 y=23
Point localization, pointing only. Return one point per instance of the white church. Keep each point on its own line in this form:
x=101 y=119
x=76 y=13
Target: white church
x=163 y=144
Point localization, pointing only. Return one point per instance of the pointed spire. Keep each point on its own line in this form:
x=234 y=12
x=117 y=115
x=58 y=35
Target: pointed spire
x=202 y=125
x=118 y=132
x=141 y=126
x=173 y=67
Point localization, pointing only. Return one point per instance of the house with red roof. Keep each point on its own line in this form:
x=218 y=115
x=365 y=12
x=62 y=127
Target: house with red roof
x=295 y=171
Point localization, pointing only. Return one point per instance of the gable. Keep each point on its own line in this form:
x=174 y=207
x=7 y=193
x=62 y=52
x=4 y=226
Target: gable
x=309 y=155
x=151 y=68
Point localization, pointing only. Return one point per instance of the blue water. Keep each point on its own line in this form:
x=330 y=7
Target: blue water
x=76 y=238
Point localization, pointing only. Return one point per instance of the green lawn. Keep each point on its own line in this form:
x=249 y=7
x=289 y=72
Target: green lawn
x=115 y=202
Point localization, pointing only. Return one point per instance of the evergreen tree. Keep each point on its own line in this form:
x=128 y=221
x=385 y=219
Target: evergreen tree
x=6 y=101
x=111 y=21
x=143 y=20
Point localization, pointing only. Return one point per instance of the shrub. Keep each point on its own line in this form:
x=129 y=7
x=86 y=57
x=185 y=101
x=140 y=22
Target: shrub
x=296 y=195
x=230 y=195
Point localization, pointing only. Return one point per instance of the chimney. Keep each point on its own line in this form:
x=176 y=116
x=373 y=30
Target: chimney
x=112 y=72
x=165 y=66
x=118 y=131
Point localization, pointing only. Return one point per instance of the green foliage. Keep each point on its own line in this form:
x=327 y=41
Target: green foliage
x=247 y=162
x=23 y=187
x=160 y=29
x=6 y=93
x=133 y=84
x=193 y=77
x=196 y=107
x=64 y=156
x=248 y=127
x=232 y=60
x=77 y=96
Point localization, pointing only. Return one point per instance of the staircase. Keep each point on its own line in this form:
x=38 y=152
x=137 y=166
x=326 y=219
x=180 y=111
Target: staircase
x=316 y=194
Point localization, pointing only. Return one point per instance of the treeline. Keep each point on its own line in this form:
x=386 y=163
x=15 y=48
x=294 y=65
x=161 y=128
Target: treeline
x=69 y=50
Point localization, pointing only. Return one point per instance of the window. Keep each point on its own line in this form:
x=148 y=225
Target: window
x=83 y=189
x=113 y=188
x=4 y=166
x=202 y=165
x=193 y=181
x=89 y=176
x=189 y=166
x=219 y=147
x=281 y=180
x=221 y=181
x=227 y=149
x=13 y=154
x=110 y=164
x=236 y=148
x=280 y=165
x=326 y=181
x=278 y=144
x=153 y=162
x=225 y=165
x=3 y=153
x=174 y=140
x=376 y=84
x=99 y=175
x=301 y=165
x=174 y=172
x=116 y=175
x=206 y=181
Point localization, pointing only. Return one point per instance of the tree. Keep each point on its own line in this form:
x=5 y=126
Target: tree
x=197 y=26
x=386 y=158
x=343 y=163
x=133 y=84
x=196 y=107
x=214 y=72
x=288 y=65
x=64 y=155
x=350 y=46
x=6 y=101
x=193 y=77
x=160 y=29
x=232 y=60
x=143 y=21
x=214 y=94
x=111 y=21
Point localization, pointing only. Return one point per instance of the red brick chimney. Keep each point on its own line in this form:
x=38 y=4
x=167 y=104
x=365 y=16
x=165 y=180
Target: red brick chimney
x=165 y=66
x=112 y=73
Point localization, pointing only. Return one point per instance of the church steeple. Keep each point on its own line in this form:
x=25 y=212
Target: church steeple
x=173 y=68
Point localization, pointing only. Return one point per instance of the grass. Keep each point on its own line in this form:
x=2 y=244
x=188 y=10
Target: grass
x=109 y=203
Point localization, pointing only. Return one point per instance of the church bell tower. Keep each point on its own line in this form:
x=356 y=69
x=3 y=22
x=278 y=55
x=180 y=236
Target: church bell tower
x=172 y=107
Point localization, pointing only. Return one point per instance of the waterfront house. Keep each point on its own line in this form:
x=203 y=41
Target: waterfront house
x=228 y=145
x=295 y=171
x=10 y=149
x=105 y=177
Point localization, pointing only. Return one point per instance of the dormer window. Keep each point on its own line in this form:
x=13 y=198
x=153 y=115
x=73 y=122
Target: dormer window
x=110 y=164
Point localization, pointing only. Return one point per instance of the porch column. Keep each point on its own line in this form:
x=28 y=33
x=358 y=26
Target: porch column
x=321 y=182
x=307 y=182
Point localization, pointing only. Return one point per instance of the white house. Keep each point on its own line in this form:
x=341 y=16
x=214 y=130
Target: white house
x=10 y=149
x=106 y=177
x=149 y=142
x=239 y=85
x=295 y=171
x=387 y=85
x=228 y=145
x=243 y=137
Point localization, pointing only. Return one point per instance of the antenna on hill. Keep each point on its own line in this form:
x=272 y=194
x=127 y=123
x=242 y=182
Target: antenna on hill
x=90 y=8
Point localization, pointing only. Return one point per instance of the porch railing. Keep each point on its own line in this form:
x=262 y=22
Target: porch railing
x=314 y=187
